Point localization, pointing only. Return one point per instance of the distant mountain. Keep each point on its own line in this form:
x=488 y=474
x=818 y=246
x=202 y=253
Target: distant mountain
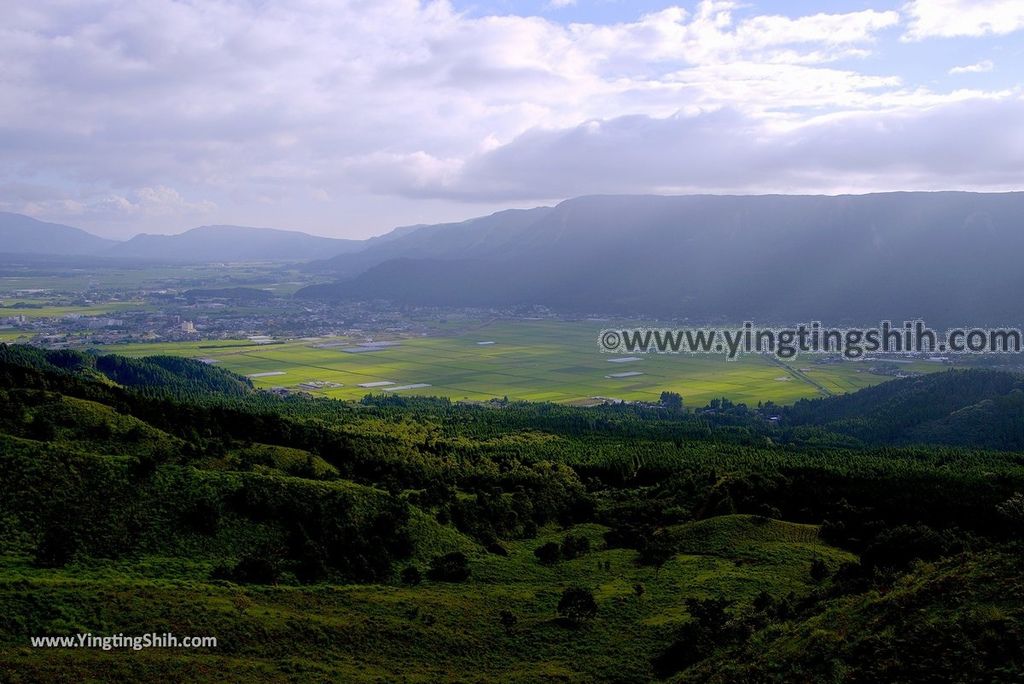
x=949 y=257
x=24 y=235
x=21 y=234
x=487 y=237
x=233 y=243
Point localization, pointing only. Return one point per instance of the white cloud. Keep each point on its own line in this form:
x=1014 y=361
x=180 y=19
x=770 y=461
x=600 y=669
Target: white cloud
x=712 y=35
x=950 y=18
x=976 y=68
x=143 y=203
x=969 y=143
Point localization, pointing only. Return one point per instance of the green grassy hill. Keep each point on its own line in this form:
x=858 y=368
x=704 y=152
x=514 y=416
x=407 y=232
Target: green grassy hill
x=434 y=631
x=958 y=620
x=423 y=541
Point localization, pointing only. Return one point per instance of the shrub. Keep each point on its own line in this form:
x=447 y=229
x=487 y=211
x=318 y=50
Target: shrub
x=56 y=548
x=508 y=621
x=451 y=567
x=497 y=548
x=253 y=568
x=577 y=605
x=819 y=571
x=574 y=546
x=411 y=576
x=548 y=554
x=698 y=638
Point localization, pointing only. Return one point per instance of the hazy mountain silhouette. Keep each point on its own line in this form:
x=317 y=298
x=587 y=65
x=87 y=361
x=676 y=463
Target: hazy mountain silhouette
x=949 y=257
x=233 y=243
x=21 y=234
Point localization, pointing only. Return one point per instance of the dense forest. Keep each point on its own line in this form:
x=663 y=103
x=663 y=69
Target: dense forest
x=869 y=537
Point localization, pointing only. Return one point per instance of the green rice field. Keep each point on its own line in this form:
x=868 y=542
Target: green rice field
x=530 y=360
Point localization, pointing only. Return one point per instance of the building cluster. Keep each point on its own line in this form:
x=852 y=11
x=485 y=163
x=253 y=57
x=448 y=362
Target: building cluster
x=171 y=321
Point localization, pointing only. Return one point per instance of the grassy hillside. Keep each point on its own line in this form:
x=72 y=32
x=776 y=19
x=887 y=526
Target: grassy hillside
x=959 y=620
x=361 y=633
x=420 y=540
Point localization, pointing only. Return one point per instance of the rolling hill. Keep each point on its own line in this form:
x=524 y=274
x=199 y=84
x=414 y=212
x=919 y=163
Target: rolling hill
x=947 y=257
x=403 y=539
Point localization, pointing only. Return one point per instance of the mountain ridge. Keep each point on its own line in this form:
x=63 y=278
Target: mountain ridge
x=21 y=234
x=24 y=235
x=233 y=243
x=724 y=257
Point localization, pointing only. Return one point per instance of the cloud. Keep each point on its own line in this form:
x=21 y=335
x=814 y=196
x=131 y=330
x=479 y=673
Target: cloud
x=160 y=201
x=143 y=203
x=712 y=35
x=970 y=143
x=951 y=18
x=976 y=68
x=258 y=108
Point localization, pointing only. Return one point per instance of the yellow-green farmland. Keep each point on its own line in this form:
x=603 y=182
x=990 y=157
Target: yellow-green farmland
x=532 y=360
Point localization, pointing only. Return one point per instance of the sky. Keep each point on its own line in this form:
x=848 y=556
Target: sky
x=350 y=117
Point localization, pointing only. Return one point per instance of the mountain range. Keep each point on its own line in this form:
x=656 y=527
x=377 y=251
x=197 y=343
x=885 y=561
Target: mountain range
x=947 y=257
x=950 y=258
x=21 y=235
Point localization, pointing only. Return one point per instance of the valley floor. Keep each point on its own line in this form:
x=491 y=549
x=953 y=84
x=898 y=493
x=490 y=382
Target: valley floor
x=528 y=360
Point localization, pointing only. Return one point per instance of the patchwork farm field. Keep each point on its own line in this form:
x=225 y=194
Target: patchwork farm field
x=528 y=360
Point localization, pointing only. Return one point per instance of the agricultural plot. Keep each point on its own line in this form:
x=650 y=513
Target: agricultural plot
x=47 y=311
x=851 y=376
x=530 y=360
x=77 y=280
